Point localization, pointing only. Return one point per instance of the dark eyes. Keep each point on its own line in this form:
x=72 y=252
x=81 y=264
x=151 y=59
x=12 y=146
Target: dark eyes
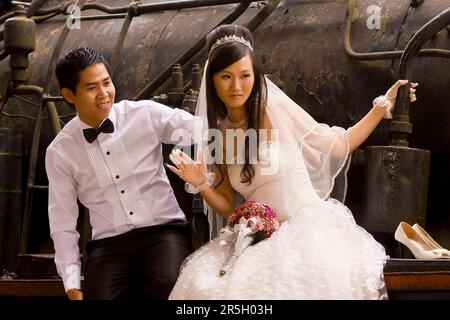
x=225 y=76
x=106 y=84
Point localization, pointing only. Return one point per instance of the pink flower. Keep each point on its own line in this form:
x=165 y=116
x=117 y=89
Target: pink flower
x=250 y=222
x=266 y=219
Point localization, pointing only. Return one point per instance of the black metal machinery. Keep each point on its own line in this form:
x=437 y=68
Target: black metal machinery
x=326 y=55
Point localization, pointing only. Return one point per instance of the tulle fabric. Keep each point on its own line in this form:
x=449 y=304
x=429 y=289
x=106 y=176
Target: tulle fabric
x=319 y=253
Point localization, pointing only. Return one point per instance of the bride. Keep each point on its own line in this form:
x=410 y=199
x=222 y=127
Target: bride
x=289 y=162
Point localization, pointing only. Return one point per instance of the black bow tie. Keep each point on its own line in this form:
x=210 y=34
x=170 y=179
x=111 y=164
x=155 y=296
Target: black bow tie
x=92 y=133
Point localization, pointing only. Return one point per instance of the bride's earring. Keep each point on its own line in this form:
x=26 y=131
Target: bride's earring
x=419 y=247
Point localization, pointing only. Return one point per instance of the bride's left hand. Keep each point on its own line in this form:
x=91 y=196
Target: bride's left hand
x=391 y=94
x=387 y=102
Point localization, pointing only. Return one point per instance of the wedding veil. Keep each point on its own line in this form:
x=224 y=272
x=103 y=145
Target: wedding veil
x=324 y=149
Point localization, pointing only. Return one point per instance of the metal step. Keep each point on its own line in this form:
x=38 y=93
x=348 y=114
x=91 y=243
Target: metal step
x=32 y=288
x=406 y=279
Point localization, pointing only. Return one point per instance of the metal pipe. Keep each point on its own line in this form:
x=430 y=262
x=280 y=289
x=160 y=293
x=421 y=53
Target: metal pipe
x=54 y=117
x=432 y=27
x=381 y=55
x=400 y=127
x=21 y=3
x=262 y=15
x=30 y=182
x=51 y=107
x=28 y=89
x=6 y=16
x=163 y=6
x=121 y=39
x=146 y=8
x=34 y=7
x=10 y=195
x=52 y=98
x=103 y=17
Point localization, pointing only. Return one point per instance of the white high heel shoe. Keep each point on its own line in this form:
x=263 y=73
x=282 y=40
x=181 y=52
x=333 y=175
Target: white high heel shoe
x=419 y=247
x=425 y=236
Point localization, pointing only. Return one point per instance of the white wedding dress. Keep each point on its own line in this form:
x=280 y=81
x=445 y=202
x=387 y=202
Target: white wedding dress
x=318 y=252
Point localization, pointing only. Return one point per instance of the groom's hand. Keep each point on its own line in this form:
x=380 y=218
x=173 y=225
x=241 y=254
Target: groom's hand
x=75 y=294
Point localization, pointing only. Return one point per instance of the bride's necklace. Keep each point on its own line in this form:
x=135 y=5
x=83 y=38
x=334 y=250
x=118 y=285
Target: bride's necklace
x=237 y=124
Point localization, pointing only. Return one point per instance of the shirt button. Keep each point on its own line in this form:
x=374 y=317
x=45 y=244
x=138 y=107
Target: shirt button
x=131 y=212
x=108 y=153
x=122 y=191
x=117 y=177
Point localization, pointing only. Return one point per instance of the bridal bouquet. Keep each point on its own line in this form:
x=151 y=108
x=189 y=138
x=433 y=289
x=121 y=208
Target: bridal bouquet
x=249 y=223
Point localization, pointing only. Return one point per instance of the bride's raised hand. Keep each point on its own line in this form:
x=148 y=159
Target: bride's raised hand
x=388 y=100
x=391 y=94
x=194 y=173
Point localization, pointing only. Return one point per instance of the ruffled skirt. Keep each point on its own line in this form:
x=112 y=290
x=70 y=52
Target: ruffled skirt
x=318 y=253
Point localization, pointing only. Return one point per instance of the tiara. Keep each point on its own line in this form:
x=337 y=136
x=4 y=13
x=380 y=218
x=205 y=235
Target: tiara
x=231 y=38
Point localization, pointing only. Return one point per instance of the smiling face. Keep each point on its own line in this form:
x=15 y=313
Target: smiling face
x=94 y=95
x=234 y=83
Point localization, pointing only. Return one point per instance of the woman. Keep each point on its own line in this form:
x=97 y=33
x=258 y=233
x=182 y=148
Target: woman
x=318 y=252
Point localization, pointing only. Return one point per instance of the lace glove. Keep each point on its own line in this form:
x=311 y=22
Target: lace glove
x=195 y=174
x=388 y=100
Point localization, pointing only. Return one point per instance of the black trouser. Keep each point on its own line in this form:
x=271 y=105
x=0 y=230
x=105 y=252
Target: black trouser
x=142 y=263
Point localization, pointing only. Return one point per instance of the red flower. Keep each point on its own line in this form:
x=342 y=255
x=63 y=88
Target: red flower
x=249 y=223
x=261 y=218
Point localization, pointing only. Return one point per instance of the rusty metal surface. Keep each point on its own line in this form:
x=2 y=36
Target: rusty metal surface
x=417 y=279
x=396 y=189
x=418 y=286
x=301 y=45
x=10 y=195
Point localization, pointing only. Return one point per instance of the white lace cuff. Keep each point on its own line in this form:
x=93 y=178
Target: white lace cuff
x=201 y=187
x=383 y=102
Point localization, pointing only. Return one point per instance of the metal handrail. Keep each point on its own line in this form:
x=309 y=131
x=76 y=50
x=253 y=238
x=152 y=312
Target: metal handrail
x=400 y=127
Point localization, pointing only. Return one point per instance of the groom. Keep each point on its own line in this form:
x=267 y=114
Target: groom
x=110 y=158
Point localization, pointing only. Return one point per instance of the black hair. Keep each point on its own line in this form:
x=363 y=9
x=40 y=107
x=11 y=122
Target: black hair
x=221 y=57
x=69 y=66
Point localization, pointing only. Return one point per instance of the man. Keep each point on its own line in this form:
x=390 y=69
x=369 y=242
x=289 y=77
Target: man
x=110 y=158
